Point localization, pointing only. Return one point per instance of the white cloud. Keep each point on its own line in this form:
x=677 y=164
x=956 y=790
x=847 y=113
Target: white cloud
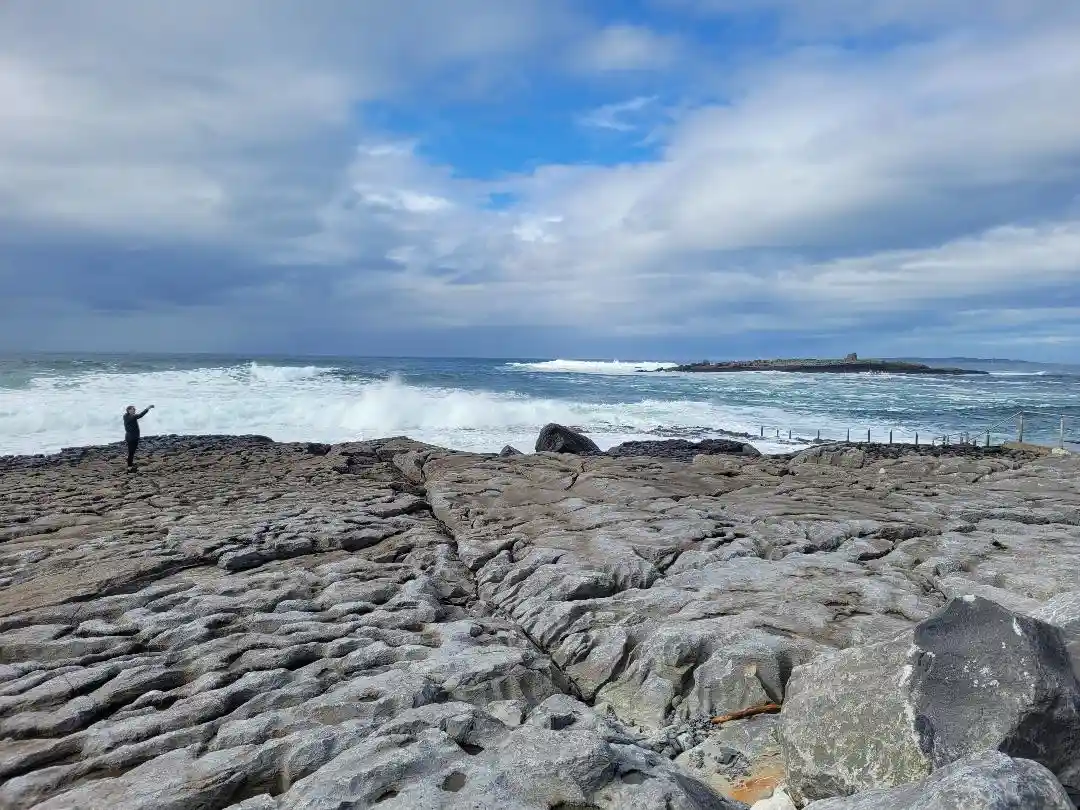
x=828 y=188
x=1000 y=260
x=1011 y=317
x=624 y=47
x=618 y=115
x=130 y=119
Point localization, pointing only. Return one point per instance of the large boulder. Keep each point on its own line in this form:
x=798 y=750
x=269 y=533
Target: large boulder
x=986 y=781
x=683 y=450
x=973 y=677
x=559 y=439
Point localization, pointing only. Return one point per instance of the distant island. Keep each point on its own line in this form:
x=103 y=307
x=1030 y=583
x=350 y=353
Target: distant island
x=848 y=365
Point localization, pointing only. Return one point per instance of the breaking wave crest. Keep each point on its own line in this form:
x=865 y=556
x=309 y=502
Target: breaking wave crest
x=483 y=405
x=309 y=403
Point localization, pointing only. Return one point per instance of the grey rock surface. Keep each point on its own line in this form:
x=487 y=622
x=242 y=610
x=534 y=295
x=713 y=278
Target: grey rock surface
x=973 y=677
x=244 y=624
x=257 y=625
x=1063 y=612
x=779 y=800
x=985 y=781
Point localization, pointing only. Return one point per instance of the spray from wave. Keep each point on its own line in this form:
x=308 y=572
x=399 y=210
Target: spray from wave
x=280 y=374
x=310 y=403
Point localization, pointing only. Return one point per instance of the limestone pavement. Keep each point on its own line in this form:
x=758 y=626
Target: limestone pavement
x=247 y=624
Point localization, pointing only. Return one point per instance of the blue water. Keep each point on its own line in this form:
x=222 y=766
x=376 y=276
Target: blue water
x=49 y=401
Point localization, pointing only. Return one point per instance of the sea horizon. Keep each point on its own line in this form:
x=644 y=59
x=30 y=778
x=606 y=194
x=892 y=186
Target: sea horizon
x=53 y=400
x=599 y=357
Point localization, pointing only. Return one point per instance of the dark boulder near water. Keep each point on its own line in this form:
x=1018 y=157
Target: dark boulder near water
x=559 y=439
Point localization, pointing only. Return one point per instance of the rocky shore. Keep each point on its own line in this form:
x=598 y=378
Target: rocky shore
x=848 y=365
x=253 y=625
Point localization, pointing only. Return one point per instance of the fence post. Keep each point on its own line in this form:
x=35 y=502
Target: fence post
x=890 y=437
x=1020 y=429
x=819 y=435
x=916 y=438
x=789 y=434
x=988 y=438
x=849 y=435
x=763 y=431
x=868 y=435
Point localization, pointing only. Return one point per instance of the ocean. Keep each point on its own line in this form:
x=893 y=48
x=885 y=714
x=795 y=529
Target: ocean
x=48 y=402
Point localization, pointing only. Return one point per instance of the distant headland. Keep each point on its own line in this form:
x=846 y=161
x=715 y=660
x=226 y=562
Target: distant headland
x=848 y=365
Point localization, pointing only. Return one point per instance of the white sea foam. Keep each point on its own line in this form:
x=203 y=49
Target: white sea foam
x=311 y=403
x=275 y=374
x=1018 y=373
x=591 y=366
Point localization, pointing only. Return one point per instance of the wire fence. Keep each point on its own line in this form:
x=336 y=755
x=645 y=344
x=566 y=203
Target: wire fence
x=1017 y=427
x=1020 y=427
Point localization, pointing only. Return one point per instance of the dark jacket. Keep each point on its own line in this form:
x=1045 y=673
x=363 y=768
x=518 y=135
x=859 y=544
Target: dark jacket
x=131 y=425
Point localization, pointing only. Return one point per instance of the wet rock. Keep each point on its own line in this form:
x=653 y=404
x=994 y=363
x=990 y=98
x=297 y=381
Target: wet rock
x=509 y=450
x=558 y=439
x=740 y=760
x=682 y=450
x=973 y=677
x=987 y=781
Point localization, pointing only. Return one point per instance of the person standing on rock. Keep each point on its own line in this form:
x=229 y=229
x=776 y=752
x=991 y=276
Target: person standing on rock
x=131 y=432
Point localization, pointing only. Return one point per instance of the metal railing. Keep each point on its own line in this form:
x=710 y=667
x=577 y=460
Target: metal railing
x=986 y=436
x=792 y=437
x=965 y=437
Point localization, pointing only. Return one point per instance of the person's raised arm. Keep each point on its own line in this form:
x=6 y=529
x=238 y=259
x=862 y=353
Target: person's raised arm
x=145 y=411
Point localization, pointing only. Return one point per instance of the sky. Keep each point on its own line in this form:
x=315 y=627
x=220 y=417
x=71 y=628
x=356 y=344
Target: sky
x=648 y=179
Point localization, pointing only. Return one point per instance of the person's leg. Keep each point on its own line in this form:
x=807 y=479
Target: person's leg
x=132 y=445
